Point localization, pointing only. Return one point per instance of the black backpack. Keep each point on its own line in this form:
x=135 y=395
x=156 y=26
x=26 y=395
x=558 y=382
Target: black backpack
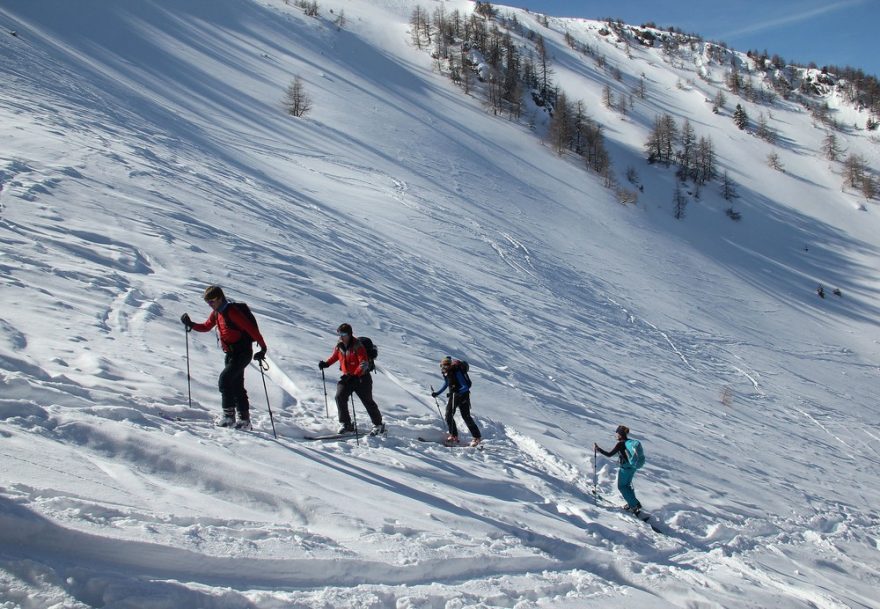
x=463 y=367
x=372 y=351
x=244 y=310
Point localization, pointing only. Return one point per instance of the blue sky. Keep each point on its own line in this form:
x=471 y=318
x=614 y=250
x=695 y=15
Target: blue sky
x=838 y=32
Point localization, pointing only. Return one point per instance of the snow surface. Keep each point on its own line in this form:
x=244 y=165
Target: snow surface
x=145 y=155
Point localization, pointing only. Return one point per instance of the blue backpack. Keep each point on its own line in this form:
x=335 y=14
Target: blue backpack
x=635 y=454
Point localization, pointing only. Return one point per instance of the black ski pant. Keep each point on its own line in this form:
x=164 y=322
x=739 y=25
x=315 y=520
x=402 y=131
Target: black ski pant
x=463 y=403
x=234 y=397
x=362 y=386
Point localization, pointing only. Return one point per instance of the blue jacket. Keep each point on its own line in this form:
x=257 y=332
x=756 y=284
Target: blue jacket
x=456 y=382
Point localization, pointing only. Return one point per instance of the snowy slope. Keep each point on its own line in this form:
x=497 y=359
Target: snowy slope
x=146 y=155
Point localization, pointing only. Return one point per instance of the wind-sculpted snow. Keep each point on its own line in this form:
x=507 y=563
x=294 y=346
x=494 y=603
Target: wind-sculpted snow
x=147 y=155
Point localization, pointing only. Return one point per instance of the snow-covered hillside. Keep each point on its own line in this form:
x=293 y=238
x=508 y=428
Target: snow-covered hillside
x=146 y=154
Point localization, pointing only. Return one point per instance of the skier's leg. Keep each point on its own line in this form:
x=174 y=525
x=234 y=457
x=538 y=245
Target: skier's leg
x=364 y=391
x=464 y=407
x=343 y=391
x=624 y=485
x=450 y=416
x=231 y=383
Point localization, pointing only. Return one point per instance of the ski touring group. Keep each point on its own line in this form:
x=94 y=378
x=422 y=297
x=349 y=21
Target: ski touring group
x=237 y=330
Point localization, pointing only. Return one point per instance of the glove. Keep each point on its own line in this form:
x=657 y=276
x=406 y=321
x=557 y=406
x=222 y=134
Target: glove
x=434 y=394
x=322 y=364
x=260 y=355
x=186 y=321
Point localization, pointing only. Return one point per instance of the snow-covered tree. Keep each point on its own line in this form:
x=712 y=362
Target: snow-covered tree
x=544 y=71
x=296 y=101
x=740 y=118
x=340 y=21
x=687 y=150
x=719 y=101
x=608 y=97
x=417 y=26
x=310 y=7
x=660 y=145
x=764 y=131
x=705 y=162
x=830 y=148
x=869 y=187
x=560 y=130
x=595 y=153
x=728 y=188
x=854 y=170
x=679 y=202
x=641 y=88
x=774 y=162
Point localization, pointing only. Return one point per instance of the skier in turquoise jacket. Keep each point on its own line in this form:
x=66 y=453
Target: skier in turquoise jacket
x=626 y=472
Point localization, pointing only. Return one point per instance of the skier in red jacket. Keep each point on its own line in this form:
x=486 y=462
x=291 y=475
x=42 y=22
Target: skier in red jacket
x=237 y=333
x=355 y=366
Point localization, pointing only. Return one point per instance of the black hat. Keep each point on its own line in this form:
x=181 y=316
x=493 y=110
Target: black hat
x=344 y=329
x=622 y=430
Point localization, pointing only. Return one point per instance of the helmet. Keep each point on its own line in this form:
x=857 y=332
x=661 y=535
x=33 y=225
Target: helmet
x=212 y=292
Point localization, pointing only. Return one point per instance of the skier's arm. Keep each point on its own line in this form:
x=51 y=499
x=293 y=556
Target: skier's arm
x=334 y=357
x=208 y=324
x=617 y=448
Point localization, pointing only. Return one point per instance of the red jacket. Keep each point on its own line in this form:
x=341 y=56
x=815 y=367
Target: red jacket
x=229 y=333
x=353 y=360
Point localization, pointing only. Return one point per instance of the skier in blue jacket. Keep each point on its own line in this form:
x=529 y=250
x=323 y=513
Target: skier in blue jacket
x=456 y=379
x=626 y=472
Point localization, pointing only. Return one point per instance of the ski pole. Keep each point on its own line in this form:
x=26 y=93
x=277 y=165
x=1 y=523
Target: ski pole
x=436 y=401
x=595 y=483
x=357 y=436
x=262 y=374
x=188 y=382
x=326 y=403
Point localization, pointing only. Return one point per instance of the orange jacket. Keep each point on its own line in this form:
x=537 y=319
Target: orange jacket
x=353 y=361
x=229 y=333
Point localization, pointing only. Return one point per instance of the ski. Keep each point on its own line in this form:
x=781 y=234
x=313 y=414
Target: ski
x=344 y=436
x=186 y=421
x=442 y=443
x=179 y=419
x=332 y=436
x=642 y=515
